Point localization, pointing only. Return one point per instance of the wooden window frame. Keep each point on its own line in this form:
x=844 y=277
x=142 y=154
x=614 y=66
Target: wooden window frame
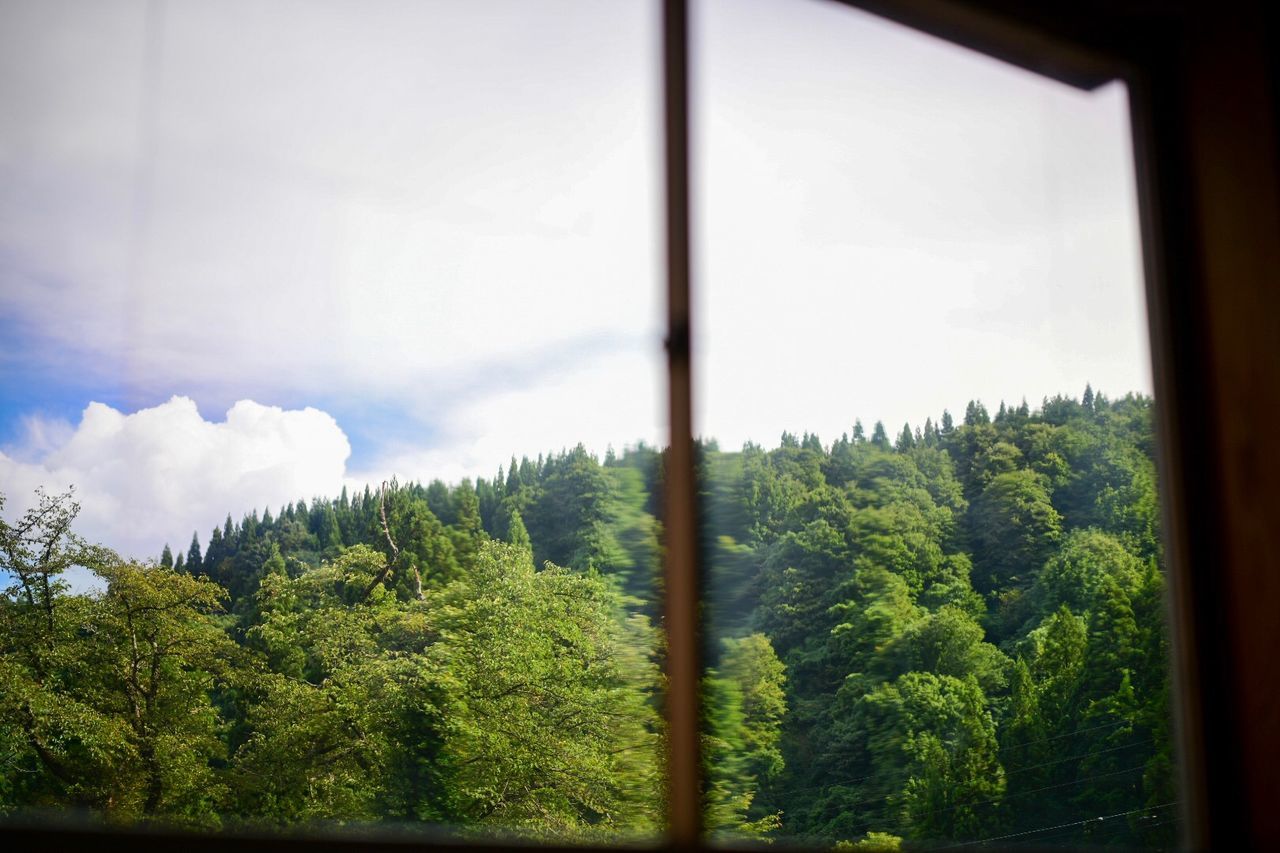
x=1202 y=83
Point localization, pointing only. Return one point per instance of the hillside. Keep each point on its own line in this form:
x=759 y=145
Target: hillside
x=954 y=634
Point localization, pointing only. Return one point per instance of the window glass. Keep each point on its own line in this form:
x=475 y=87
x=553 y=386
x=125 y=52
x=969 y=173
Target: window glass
x=331 y=321
x=935 y=595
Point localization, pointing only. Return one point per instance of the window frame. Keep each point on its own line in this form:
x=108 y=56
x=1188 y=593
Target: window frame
x=1203 y=106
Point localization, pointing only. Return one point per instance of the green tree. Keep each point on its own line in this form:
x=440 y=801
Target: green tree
x=1014 y=528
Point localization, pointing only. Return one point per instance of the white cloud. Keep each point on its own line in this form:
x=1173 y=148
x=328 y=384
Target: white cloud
x=441 y=221
x=318 y=190
x=155 y=475
x=617 y=398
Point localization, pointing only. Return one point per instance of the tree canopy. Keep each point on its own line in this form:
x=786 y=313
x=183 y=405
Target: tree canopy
x=952 y=636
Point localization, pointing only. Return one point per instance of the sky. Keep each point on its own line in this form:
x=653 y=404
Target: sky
x=251 y=253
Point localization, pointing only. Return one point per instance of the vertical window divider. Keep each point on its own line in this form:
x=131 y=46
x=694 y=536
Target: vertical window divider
x=681 y=564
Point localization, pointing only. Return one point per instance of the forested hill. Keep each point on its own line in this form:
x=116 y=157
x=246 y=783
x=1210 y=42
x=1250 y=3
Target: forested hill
x=971 y=619
x=952 y=634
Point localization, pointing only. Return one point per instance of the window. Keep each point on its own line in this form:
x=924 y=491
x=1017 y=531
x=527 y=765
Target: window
x=1210 y=215
x=932 y=487
x=333 y=311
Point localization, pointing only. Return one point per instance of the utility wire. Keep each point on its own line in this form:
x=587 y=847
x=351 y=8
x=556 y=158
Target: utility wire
x=1001 y=799
x=1005 y=797
x=1082 y=755
x=1059 y=826
x=1069 y=734
x=906 y=772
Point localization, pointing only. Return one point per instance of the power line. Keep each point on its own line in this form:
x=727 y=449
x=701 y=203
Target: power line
x=1069 y=734
x=1059 y=826
x=906 y=772
x=1002 y=797
x=1005 y=797
x=1075 y=732
x=1082 y=755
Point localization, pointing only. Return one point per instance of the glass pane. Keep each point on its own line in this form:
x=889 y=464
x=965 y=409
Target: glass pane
x=282 y=286
x=936 y=582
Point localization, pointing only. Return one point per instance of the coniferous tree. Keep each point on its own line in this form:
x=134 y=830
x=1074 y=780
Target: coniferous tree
x=906 y=440
x=878 y=436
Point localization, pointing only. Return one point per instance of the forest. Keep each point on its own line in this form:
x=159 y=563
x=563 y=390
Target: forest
x=949 y=635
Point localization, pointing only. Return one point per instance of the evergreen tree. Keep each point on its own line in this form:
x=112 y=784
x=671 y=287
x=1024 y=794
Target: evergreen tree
x=878 y=436
x=195 y=564
x=906 y=440
x=975 y=414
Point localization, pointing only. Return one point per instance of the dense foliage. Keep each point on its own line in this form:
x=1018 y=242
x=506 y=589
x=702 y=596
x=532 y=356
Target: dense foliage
x=954 y=636
x=970 y=620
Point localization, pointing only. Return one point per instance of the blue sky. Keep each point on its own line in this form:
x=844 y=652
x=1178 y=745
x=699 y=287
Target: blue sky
x=255 y=252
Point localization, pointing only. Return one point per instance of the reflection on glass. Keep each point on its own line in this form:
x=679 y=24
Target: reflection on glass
x=300 y=277
x=941 y=624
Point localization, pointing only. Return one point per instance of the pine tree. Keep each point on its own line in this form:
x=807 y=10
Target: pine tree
x=906 y=440
x=513 y=477
x=327 y=529
x=975 y=413
x=948 y=425
x=215 y=553
x=878 y=436
x=195 y=565
x=166 y=557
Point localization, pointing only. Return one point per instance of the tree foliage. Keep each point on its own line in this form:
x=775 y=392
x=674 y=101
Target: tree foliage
x=951 y=636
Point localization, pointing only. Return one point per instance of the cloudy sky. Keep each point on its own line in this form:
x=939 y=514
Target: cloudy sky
x=250 y=252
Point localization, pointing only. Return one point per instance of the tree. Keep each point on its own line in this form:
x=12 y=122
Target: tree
x=551 y=726
x=104 y=700
x=195 y=565
x=751 y=664
x=37 y=550
x=1076 y=575
x=906 y=440
x=975 y=414
x=878 y=436
x=933 y=747
x=164 y=651
x=948 y=642
x=1014 y=528
x=516 y=533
